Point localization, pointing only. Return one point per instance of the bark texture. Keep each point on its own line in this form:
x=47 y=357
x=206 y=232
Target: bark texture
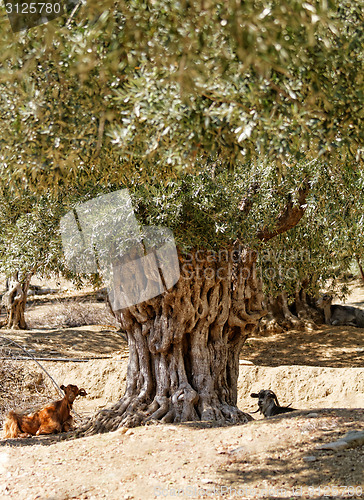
x=289 y=217
x=360 y=267
x=184 y=345
x=14 y=301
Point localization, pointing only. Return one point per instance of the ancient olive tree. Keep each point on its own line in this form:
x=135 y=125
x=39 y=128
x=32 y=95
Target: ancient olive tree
x=220 y=119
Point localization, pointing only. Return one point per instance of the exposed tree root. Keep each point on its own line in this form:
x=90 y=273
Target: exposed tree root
x=161 y=410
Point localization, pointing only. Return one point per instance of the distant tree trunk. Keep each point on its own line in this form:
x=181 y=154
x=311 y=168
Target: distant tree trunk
x=301 y=314
x=185 y=344
x=360 y=268
x=14 y=301
x=279 y=317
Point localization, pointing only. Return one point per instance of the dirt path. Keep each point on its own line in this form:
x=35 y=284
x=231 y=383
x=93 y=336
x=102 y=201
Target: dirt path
x=263 y=459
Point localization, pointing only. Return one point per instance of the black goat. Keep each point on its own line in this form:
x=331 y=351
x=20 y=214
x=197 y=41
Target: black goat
x=268 y=403
x=336 y=314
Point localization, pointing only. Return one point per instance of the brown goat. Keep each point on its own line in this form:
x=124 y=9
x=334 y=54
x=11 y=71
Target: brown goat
x=53 y=418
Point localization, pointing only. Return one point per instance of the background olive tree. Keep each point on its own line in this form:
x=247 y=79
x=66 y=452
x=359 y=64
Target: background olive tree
x=29 y=244
x=318 y=253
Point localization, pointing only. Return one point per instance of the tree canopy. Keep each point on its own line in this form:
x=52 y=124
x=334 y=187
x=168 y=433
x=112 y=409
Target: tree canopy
x=164 y=85
x=198 y=108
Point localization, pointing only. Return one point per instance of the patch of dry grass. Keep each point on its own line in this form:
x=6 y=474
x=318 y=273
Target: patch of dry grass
x=20 y=387
x=69 y=314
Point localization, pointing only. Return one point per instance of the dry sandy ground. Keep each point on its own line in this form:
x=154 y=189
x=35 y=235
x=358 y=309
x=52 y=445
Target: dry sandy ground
x=268 y=458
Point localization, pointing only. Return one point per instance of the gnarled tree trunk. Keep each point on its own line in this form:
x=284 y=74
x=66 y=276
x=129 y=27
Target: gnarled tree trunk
x=301 y=314
x=184 y=345
x=14 y=301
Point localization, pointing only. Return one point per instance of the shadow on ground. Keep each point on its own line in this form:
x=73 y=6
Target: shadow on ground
x=297 y=463
x=331 y=346
x=79 y=342
x=36 y=440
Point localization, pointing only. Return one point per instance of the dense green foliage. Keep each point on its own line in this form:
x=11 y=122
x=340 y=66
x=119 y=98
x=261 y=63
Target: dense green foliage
x=188 y=104
x=170 y=83
x=29 y=242
x=320 y=250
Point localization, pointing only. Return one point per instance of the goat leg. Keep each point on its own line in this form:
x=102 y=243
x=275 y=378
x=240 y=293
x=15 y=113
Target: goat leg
x=49 y=428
